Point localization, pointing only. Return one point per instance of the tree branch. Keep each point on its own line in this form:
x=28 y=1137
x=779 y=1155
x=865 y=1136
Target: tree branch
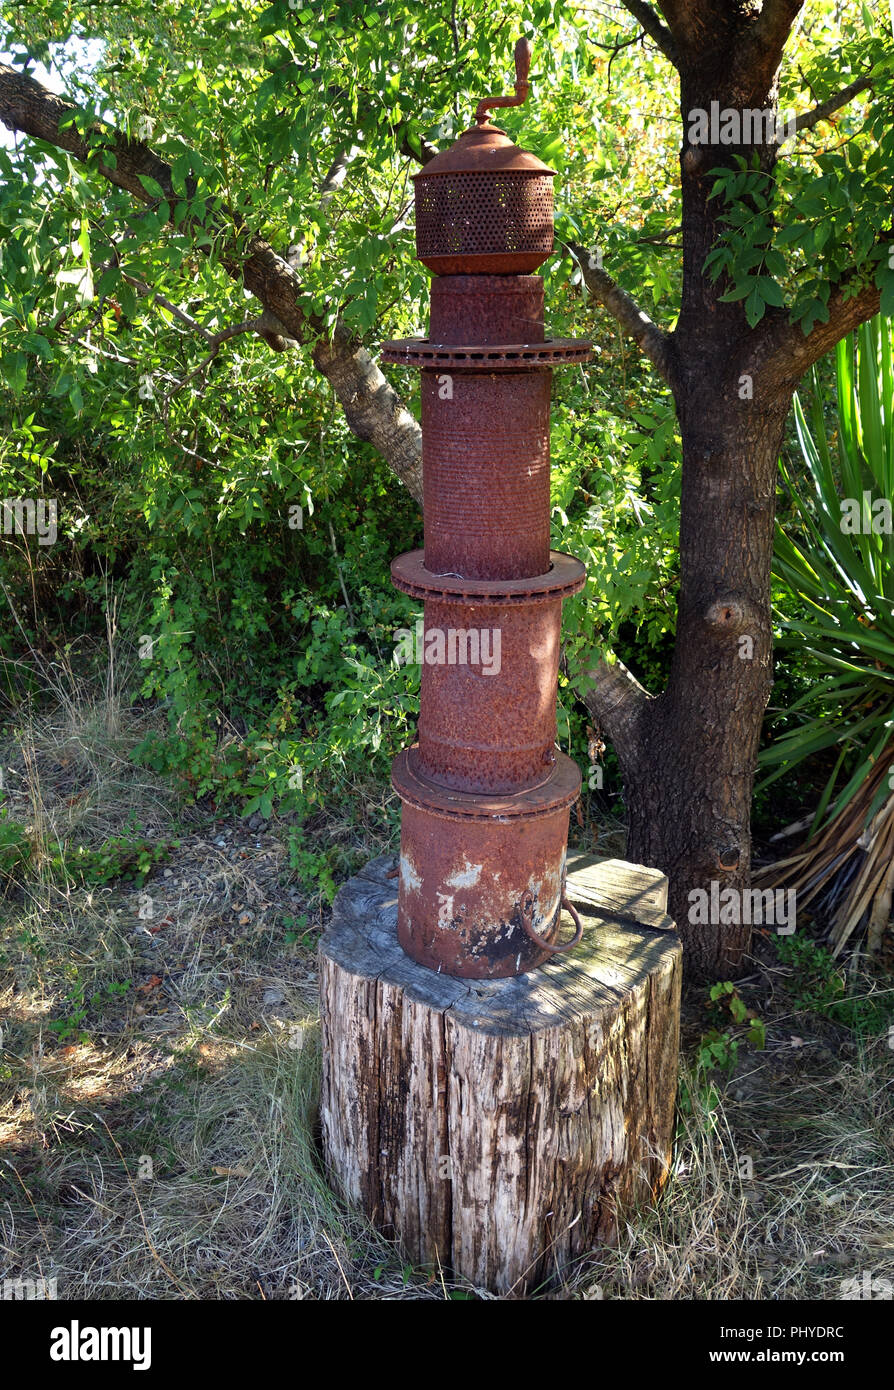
x=792 y=354
x=657 y=31
x=267 y=326
x=616 y=703
x=372 y=408
x=425 y=152
x=760 y=48
x=338 y=172
x=174 y=309
x=216 y=342
x=652 y=340
x=824 y=109
x=771 y=28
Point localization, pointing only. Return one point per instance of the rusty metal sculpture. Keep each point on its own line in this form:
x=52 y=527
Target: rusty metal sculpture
x=485 y=794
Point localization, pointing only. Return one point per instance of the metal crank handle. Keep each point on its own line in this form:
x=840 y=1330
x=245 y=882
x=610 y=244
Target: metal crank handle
x=522 y=85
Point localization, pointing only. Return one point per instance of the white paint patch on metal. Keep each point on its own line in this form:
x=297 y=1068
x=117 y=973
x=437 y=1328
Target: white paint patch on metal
x=466 y=877
x=408 y=875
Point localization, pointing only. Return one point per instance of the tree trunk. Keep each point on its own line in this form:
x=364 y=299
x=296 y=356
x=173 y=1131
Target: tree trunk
x=688 y=756
x=688 y=778
x=499 y=1128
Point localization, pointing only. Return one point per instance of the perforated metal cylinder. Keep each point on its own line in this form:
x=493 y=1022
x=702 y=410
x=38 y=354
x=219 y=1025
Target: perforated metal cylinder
x=485 y=470
x=489 y=653
x=487 y=718
x=482 y=222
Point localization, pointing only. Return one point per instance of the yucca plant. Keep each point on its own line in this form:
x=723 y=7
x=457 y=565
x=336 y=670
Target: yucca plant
x=833 y=560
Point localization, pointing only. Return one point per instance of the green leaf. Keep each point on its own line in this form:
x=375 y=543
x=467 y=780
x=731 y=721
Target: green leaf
x=16 y=372
x=153 y=188
x=180 y=171
x=771 y=291
x=885 y=282
x=36 y=343
x=754 y=307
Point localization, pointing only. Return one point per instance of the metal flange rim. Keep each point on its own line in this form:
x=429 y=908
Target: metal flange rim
x=491 y=357
x=559 y=790
x=565 y=576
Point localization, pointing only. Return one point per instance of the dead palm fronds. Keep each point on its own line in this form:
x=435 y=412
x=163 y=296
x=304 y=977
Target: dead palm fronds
x=849 y=864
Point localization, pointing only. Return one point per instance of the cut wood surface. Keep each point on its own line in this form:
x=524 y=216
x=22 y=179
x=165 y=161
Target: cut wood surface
x=497 y=1127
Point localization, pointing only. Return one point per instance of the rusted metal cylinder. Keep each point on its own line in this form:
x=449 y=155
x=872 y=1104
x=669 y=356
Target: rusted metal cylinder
x=489 y=652
x=484 y=205
x=470 y=867
x=496 y=218
x=485 y=456
x=469 y=309
x=490 y=726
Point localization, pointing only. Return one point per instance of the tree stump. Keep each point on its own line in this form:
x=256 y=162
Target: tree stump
x=499 y=1128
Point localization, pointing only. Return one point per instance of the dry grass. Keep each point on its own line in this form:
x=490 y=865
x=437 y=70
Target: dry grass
x=817 y=1211
x=163 y=1144
x=164 y=1147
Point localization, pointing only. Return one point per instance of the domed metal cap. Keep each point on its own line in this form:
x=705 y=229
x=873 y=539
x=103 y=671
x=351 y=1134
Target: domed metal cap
x=484 y=149
x=485 y=206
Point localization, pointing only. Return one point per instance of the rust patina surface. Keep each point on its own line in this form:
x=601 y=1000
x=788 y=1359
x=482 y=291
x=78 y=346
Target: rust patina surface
x=485 y=793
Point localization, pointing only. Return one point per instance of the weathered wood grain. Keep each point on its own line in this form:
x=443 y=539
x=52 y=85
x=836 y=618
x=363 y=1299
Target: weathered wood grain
x=498 y=1127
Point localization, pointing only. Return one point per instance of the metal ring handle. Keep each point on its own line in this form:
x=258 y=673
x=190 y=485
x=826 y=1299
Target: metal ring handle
x=527 y=916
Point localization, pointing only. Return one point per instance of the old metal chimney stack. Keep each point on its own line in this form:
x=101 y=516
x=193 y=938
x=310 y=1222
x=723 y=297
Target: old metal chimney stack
x=485 y=794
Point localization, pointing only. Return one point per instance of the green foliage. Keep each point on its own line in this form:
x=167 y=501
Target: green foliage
x=717 y=1051
x=819 y=985
x=836 y=596
x=326 y=700
x=697 y=1092
x=747 y=256
x=15 y=847
x=718 y=1048
x=820 y=216
x=313 y=870
x=77 y=1006
x=724 y=1001
x=615 y=498
x=296 y=930
x=129 y=857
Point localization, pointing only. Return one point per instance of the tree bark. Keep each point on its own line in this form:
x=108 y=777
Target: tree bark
x=688 y=775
